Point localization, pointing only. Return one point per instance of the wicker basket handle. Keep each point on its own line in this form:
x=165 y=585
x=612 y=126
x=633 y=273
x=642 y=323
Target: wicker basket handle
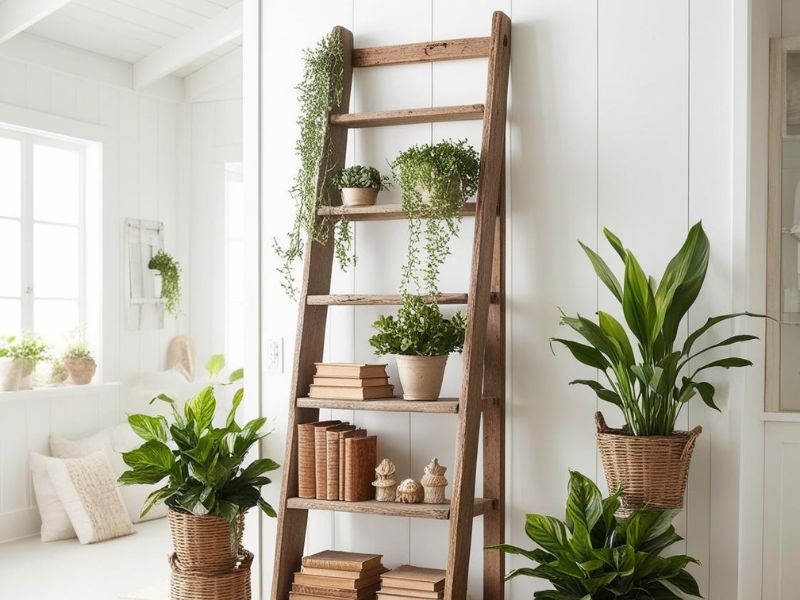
x=693 y=435
x=601 y=423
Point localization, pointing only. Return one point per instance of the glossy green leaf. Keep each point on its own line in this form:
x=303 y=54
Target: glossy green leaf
x=149 y=427
x=603 y=272
x=215 y=364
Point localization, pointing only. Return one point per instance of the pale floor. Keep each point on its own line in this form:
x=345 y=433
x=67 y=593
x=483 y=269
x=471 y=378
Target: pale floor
x=132 y=567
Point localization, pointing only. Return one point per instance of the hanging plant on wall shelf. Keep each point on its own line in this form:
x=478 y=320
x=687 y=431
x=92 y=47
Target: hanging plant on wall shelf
x=319 y=91
x=170 y=271
x=436 y=180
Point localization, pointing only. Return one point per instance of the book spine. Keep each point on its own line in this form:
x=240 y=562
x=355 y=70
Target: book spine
x=342 y=461
x=360 y=456
x=332 y=451
x=321 y=463
x=311 y=562
x=306 y=467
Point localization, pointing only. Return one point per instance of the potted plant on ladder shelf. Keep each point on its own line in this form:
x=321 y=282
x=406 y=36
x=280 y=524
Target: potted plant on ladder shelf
x=648 y=459
x=359 y=185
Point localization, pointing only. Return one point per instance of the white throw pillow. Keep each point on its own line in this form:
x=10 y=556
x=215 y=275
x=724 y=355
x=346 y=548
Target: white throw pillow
x=55 y=520
x=88 y=490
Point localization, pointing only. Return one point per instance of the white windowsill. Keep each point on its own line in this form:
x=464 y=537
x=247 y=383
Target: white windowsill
x=54 y=391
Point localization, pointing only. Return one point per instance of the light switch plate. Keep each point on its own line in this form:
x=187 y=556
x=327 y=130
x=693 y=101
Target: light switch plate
x=273 y=356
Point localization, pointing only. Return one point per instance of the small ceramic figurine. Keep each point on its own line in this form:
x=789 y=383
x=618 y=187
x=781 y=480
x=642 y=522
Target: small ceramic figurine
x=385 y=483
x=434 y=482
x=409 y=492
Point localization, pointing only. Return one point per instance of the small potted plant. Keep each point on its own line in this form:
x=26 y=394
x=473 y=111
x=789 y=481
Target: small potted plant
x=79 y=362
x=20 y=359
x=207 y=487
x=359 y=185
x=648 y=458
x=421 y=338
x=435 y=180
x=167 y=280
x=593 y=555
x=58 y=372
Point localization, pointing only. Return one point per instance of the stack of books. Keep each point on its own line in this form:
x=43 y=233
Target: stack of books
x=336 y=461
x=350 y=381
x=338 y=575
x=409 y=583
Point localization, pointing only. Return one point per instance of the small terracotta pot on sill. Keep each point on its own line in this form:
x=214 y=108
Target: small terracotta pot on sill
x=81 y=370
x=359 y=196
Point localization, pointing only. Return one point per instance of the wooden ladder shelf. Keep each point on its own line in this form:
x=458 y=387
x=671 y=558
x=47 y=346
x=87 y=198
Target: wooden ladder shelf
x=483 y=381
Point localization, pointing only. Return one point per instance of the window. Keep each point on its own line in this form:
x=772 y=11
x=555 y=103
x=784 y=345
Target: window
x=234 y=266
x=42 y=224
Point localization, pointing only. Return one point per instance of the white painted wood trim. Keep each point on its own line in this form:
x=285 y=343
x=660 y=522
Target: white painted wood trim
x=223 y=70
x=18 y=15
x=209 y=36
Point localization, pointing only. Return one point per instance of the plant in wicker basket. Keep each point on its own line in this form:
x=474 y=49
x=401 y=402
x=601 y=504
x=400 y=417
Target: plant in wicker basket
x=207 y=488
x=592 y=555
x=648 y=458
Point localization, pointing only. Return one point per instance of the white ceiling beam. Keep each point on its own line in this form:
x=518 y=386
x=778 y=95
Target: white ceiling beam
x=17 y=15
x=217 y=31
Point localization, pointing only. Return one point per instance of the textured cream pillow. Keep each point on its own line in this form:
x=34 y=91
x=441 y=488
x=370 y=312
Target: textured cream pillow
x=88 y=490
x=55 y=520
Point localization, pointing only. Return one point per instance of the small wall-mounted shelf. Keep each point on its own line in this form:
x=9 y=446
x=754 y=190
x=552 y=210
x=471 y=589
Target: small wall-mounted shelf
x=144 y=308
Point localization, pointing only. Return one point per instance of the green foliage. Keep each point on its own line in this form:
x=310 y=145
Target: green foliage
x=215 y=364
x=435 y=181
x=651 y=389
x=592 y=555
x=77 y=346
x=201 y=463
x=319 y=91
x=419 y=329
x=359 y=176
x=170 y=271
x=30 y=348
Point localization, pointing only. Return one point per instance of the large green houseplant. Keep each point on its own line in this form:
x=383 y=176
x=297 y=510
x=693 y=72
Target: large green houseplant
x=652 y=384
x=593 y=555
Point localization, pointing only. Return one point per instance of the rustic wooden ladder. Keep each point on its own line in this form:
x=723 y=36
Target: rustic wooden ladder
x=483 y=380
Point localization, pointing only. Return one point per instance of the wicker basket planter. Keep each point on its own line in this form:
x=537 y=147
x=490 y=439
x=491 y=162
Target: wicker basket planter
x=205 y=543
x=233 y=584
x=652 y=470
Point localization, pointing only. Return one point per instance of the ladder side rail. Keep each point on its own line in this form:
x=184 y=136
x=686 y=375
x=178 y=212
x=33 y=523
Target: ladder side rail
x=309 y=346
x=492 y=148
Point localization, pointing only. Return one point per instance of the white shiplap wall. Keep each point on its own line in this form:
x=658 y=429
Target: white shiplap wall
x=620 y=116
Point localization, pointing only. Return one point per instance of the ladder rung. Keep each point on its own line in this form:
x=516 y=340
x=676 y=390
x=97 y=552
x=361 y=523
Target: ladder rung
x=392 y=509
x=409 y=116
x=383 y=299
x=378 y=212
x=378 y=56
x=441 y=406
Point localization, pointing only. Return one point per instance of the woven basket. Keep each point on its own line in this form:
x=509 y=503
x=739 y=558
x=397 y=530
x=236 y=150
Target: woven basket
x=205 y=543
x=652 y=470
x=233 y=584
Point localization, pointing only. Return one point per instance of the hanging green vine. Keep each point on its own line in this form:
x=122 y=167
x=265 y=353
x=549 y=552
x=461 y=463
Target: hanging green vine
x=435 y=181
x=319 y=91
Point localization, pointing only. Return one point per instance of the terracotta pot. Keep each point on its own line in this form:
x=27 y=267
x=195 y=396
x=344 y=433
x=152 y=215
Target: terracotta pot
x=421 y=376
x=359 y=196
x=205 y=543
x=10 y=374
x=81 y=370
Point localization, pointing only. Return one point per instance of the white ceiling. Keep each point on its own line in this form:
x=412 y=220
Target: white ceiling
x=129 y=30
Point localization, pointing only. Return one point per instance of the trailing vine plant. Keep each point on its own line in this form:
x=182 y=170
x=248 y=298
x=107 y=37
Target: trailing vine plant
x=170 y=270
x=319 y=91
x=435 y=180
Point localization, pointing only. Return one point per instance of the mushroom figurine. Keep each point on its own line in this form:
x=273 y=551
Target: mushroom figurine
x=409 y=492
x=385 y=482
x=434 y=482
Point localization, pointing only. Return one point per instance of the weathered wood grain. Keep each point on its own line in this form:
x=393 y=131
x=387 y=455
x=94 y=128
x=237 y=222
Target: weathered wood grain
x=392 y=509
x=409 y=116
x=380 y=56
x=378 y=212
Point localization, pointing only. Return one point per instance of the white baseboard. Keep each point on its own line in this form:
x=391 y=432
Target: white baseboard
x=19 y=524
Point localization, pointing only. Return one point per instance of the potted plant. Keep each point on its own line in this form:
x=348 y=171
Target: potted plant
x=420 y=337
x=20 y=357
x=648 y=458
x=207 y=487
x=435 y=180
x=79 y=362
x=319 y=91
x=592 y=555
x=58 y=372
x=168 y=286
x=359 y=185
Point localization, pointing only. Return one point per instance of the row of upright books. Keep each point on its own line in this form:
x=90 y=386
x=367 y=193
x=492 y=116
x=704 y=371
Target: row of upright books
x=350 y=381
x=334 y=575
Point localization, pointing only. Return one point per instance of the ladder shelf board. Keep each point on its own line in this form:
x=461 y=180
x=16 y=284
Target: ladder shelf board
x=458 y=49
x=409 y=116
x=443 y=405
x=379 y=212
x=377 y=299
x=392 y=509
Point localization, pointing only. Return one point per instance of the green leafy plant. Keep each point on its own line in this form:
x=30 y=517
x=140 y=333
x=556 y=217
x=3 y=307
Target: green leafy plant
x=30 y=348
x=592 y=555
x=419 y=329
x=203 y=464
x=170 y=271
x=436 y=180
x=652 y=388
x=77 y=348
x=215 y=365
x=359 y=176
x=58 y=372
x=319 y=91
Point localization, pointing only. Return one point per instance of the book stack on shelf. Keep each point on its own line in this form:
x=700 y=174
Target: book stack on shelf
x=411 y=583
x=336 y=461
x=350 y=381
x=338 y=575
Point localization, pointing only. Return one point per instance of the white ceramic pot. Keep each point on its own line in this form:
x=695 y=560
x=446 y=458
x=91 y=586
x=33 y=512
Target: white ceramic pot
x=157 y=283
x=27 y=367
x=10 y=374
x=359 y=196
x=421 y=376
x=81 y=370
